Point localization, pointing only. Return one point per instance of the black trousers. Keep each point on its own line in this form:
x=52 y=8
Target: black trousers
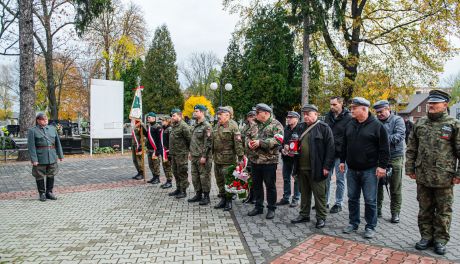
x=264 y=173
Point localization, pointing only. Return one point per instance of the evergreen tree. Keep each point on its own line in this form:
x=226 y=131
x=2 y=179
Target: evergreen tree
x=129 y=76
x=159 y=76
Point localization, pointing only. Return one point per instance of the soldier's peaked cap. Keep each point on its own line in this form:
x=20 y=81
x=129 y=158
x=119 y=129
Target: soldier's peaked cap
x=264 y=107
x=438 y=96
x=360 y=101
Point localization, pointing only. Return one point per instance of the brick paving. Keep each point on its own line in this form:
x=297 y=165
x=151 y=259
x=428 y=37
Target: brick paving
x=267 y=239
x=328 y=249
x=103 y=216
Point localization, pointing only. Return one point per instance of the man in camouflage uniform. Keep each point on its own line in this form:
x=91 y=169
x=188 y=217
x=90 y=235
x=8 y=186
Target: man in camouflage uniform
x=432 y=152
x=44 y=150
x=200 y=152
x=136 y=150
x=266 y=147
x=249 y=125
x=153 y=133
x=227 y=147
x=166 y=131
x=179 y=145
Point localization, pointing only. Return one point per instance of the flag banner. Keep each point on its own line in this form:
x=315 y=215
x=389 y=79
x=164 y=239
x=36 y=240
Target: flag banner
x=136 y=108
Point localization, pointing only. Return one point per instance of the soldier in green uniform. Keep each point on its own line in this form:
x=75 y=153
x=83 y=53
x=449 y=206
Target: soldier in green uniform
x=200 y=152
x=266 y=147
x=153 y=132
x=136 y=150
x=227 y=149
x=248 y=133
x=44 y=150
x=166 y=130
x=179 y=145
x=432 y=153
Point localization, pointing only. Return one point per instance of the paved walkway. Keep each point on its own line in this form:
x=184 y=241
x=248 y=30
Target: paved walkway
x=102 y=216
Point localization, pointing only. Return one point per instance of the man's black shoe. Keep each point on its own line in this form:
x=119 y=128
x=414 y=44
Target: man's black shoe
x=439 y=248
x=228 y=205
x=255 y=212
x=195 y=198
x=320 y=223
x=283 y=202
x=395 y=218
x=335 y=209
x=270 y=214
x=50 y=196
x=151 y=180
x=166 y=185
x=42 y=197
x=155 y=180
x=181 y=195
x=294 y=203
x=205 y=200
x=300 y=219
x=174 y=193
x=221 y=204
x=138 y=177
x=423 y=244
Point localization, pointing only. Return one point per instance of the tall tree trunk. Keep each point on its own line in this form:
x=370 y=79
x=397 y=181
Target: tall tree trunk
x=349 y=82
x=26 y=68
x=54 y=115
x=306 y=58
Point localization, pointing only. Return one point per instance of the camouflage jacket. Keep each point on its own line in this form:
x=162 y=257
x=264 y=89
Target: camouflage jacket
x=432 y=151
x=200 y=144
x=227 y=143
x=268 y=151
x=249 y=132
x=44 y=145
x=179 y=139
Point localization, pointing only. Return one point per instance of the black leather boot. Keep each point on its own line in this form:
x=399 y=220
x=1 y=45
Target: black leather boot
x=205 y=200
x=49 y=188
x=195 y=198
x=228 y=205
x=181 y=194
x=41 y=190
x=176 y=192
x=166 y=185
x=221 y=204
x=155 y=180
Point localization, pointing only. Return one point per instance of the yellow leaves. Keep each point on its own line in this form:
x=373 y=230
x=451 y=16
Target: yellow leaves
x=194 y=100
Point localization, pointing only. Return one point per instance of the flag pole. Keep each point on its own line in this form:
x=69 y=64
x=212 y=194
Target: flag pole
x=143 y=152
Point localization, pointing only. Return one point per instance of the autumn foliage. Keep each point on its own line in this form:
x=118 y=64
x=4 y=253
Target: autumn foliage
x=194 y=100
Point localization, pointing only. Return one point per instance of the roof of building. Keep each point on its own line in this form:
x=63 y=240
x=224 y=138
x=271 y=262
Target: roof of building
x=414 y=101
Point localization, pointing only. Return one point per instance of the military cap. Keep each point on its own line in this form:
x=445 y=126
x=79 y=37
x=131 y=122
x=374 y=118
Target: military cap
x=152 y=114
x=438 y=96
x=223 y=109
x=293 y=114
x=309 y=108
x=200 y=107
x=251 y=113
x=175 y=111
x=40 y=116
x=381 y=104
x=360 y=101
x=264 y=107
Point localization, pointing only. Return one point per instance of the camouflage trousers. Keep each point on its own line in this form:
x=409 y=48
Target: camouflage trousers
x=201 y=174
x=395 y=187
x=137 y=160
x=220 y=172
x=435 y=212
x=44 y=170
x=179 y=165
x=154 y=165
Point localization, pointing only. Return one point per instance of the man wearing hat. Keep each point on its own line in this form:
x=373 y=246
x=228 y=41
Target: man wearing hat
x=266 y=146
x=165 y=132
x=432 y=154
x=44 y=149
x=366 y=151
x=136 y=150
x=396 y=130
x=179 y=145
x=313 y=164
x=200 y=151
x=154 y=147
x=227 y=149
x=288 y=161
x=248 y=133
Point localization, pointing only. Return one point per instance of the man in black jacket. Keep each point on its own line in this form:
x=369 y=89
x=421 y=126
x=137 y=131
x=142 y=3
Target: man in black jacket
x=366 y=150
x=313 y=164
x=154 y=147
x=337 y=119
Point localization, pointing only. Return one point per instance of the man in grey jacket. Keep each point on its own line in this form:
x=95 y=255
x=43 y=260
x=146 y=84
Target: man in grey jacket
x=396 y=130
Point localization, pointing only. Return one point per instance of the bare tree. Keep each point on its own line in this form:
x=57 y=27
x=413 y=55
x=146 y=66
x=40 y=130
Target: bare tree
x=7 y=90
x=8 y=27
x=200 y=71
